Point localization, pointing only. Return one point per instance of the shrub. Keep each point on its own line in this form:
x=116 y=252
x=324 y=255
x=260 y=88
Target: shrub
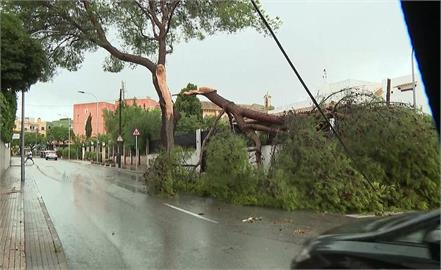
x=396 y=148
x=167 y=174
x=310 y=172
x=229 y=175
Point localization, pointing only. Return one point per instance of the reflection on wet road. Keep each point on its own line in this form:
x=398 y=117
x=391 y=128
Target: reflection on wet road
x=105 y=220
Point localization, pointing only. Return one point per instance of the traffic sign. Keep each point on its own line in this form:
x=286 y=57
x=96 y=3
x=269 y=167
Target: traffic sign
x=119 y=139
x=136 y=132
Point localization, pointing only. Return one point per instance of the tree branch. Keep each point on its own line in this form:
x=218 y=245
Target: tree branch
x=170 y=15
x=148 y=15
x=152 y=7
x=201 y=154
x=110 y=48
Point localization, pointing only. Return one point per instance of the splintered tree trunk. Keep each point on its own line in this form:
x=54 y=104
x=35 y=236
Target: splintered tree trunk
x=166 y=104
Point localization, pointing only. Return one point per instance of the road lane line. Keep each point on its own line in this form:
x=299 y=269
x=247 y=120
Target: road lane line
x=190 y=213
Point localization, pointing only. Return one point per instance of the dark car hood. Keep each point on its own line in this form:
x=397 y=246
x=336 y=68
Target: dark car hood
x=368 y=225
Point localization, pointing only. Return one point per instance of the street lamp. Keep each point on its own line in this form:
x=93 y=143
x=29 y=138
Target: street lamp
x=88 y=93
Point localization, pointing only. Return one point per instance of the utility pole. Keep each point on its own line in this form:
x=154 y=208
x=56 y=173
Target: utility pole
x=22 y=141
x=68 y=145
x=388 y=92
x=120 y=139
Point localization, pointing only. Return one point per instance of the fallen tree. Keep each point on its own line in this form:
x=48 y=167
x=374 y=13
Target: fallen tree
x=248 y=121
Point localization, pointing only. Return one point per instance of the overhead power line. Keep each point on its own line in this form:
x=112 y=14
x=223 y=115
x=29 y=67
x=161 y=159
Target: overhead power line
x=348 y=153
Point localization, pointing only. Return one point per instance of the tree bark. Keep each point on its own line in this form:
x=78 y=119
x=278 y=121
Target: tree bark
x=166 y=104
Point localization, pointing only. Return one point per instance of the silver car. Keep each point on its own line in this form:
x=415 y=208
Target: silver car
x=51 y=155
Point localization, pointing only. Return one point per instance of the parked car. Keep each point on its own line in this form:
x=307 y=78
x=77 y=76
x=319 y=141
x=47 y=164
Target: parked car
x=409 y=240
x=51 y=155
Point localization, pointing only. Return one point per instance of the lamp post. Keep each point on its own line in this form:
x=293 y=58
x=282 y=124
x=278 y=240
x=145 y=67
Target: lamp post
x=88 y=93
x=119 y=140
x=413 y=80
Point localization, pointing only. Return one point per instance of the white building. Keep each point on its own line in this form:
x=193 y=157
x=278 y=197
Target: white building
x=328 y=89
x=401 y=91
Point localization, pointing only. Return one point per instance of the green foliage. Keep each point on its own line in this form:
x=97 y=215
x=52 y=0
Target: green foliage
x=23 y=59
x=311 y=172
x=190 y=109
x=74 y=152
x=398 y=148
x=72 y=32
x=229 y=175
x=91 y=156
x=167 y=174
x=188 y=124
x=8 y=108
x=395 y=147
x=32 y=139
x=147 y=122
x=189 y=105
x=59 y=134
x=88 y=127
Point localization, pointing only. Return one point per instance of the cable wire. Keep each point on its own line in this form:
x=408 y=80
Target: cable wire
x=348 y=153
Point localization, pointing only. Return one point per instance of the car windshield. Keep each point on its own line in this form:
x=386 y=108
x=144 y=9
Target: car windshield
x=210 y=134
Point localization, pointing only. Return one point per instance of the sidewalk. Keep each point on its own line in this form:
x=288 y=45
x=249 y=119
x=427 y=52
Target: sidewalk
x=28 y=237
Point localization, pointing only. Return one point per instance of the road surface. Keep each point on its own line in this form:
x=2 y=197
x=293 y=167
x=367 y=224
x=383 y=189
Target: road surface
x=105 y=220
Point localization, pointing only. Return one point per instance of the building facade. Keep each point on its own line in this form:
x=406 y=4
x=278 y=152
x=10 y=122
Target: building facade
x=82 y=111
x=31 y=125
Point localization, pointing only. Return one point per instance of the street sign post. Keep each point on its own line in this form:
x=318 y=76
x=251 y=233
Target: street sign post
x=119 y=140
x=136 y=134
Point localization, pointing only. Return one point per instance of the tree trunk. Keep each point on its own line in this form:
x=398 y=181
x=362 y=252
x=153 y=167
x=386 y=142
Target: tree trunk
x=166 y=104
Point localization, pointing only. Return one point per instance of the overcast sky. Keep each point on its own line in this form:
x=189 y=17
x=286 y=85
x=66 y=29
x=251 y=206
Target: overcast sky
x=362 y=40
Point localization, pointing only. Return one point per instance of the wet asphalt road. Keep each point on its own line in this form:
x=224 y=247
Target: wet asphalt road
x=105 y=220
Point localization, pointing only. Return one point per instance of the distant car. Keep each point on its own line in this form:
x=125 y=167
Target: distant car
x=409 y=240
x=51 y=155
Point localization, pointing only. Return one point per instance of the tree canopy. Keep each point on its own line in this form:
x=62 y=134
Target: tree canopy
x=189 y=105
x=23 y=59
x=59 y=134
x=33 y=139
x=137 y=32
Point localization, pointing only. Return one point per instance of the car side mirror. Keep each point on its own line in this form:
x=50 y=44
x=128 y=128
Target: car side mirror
x=432 y=239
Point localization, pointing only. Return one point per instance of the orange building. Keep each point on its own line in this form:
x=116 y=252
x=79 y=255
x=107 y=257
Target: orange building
x=82 y=111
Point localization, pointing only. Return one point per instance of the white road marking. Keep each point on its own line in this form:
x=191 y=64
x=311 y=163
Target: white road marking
x=190 y=213
x=360 y=216
x=371 y=215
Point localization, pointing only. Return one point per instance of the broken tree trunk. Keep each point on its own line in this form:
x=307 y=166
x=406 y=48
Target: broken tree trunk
x=166 y=104
x=262 y=121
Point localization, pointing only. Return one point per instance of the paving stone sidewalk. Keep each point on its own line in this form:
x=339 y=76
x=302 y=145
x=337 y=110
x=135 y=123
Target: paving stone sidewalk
x=28 y=237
